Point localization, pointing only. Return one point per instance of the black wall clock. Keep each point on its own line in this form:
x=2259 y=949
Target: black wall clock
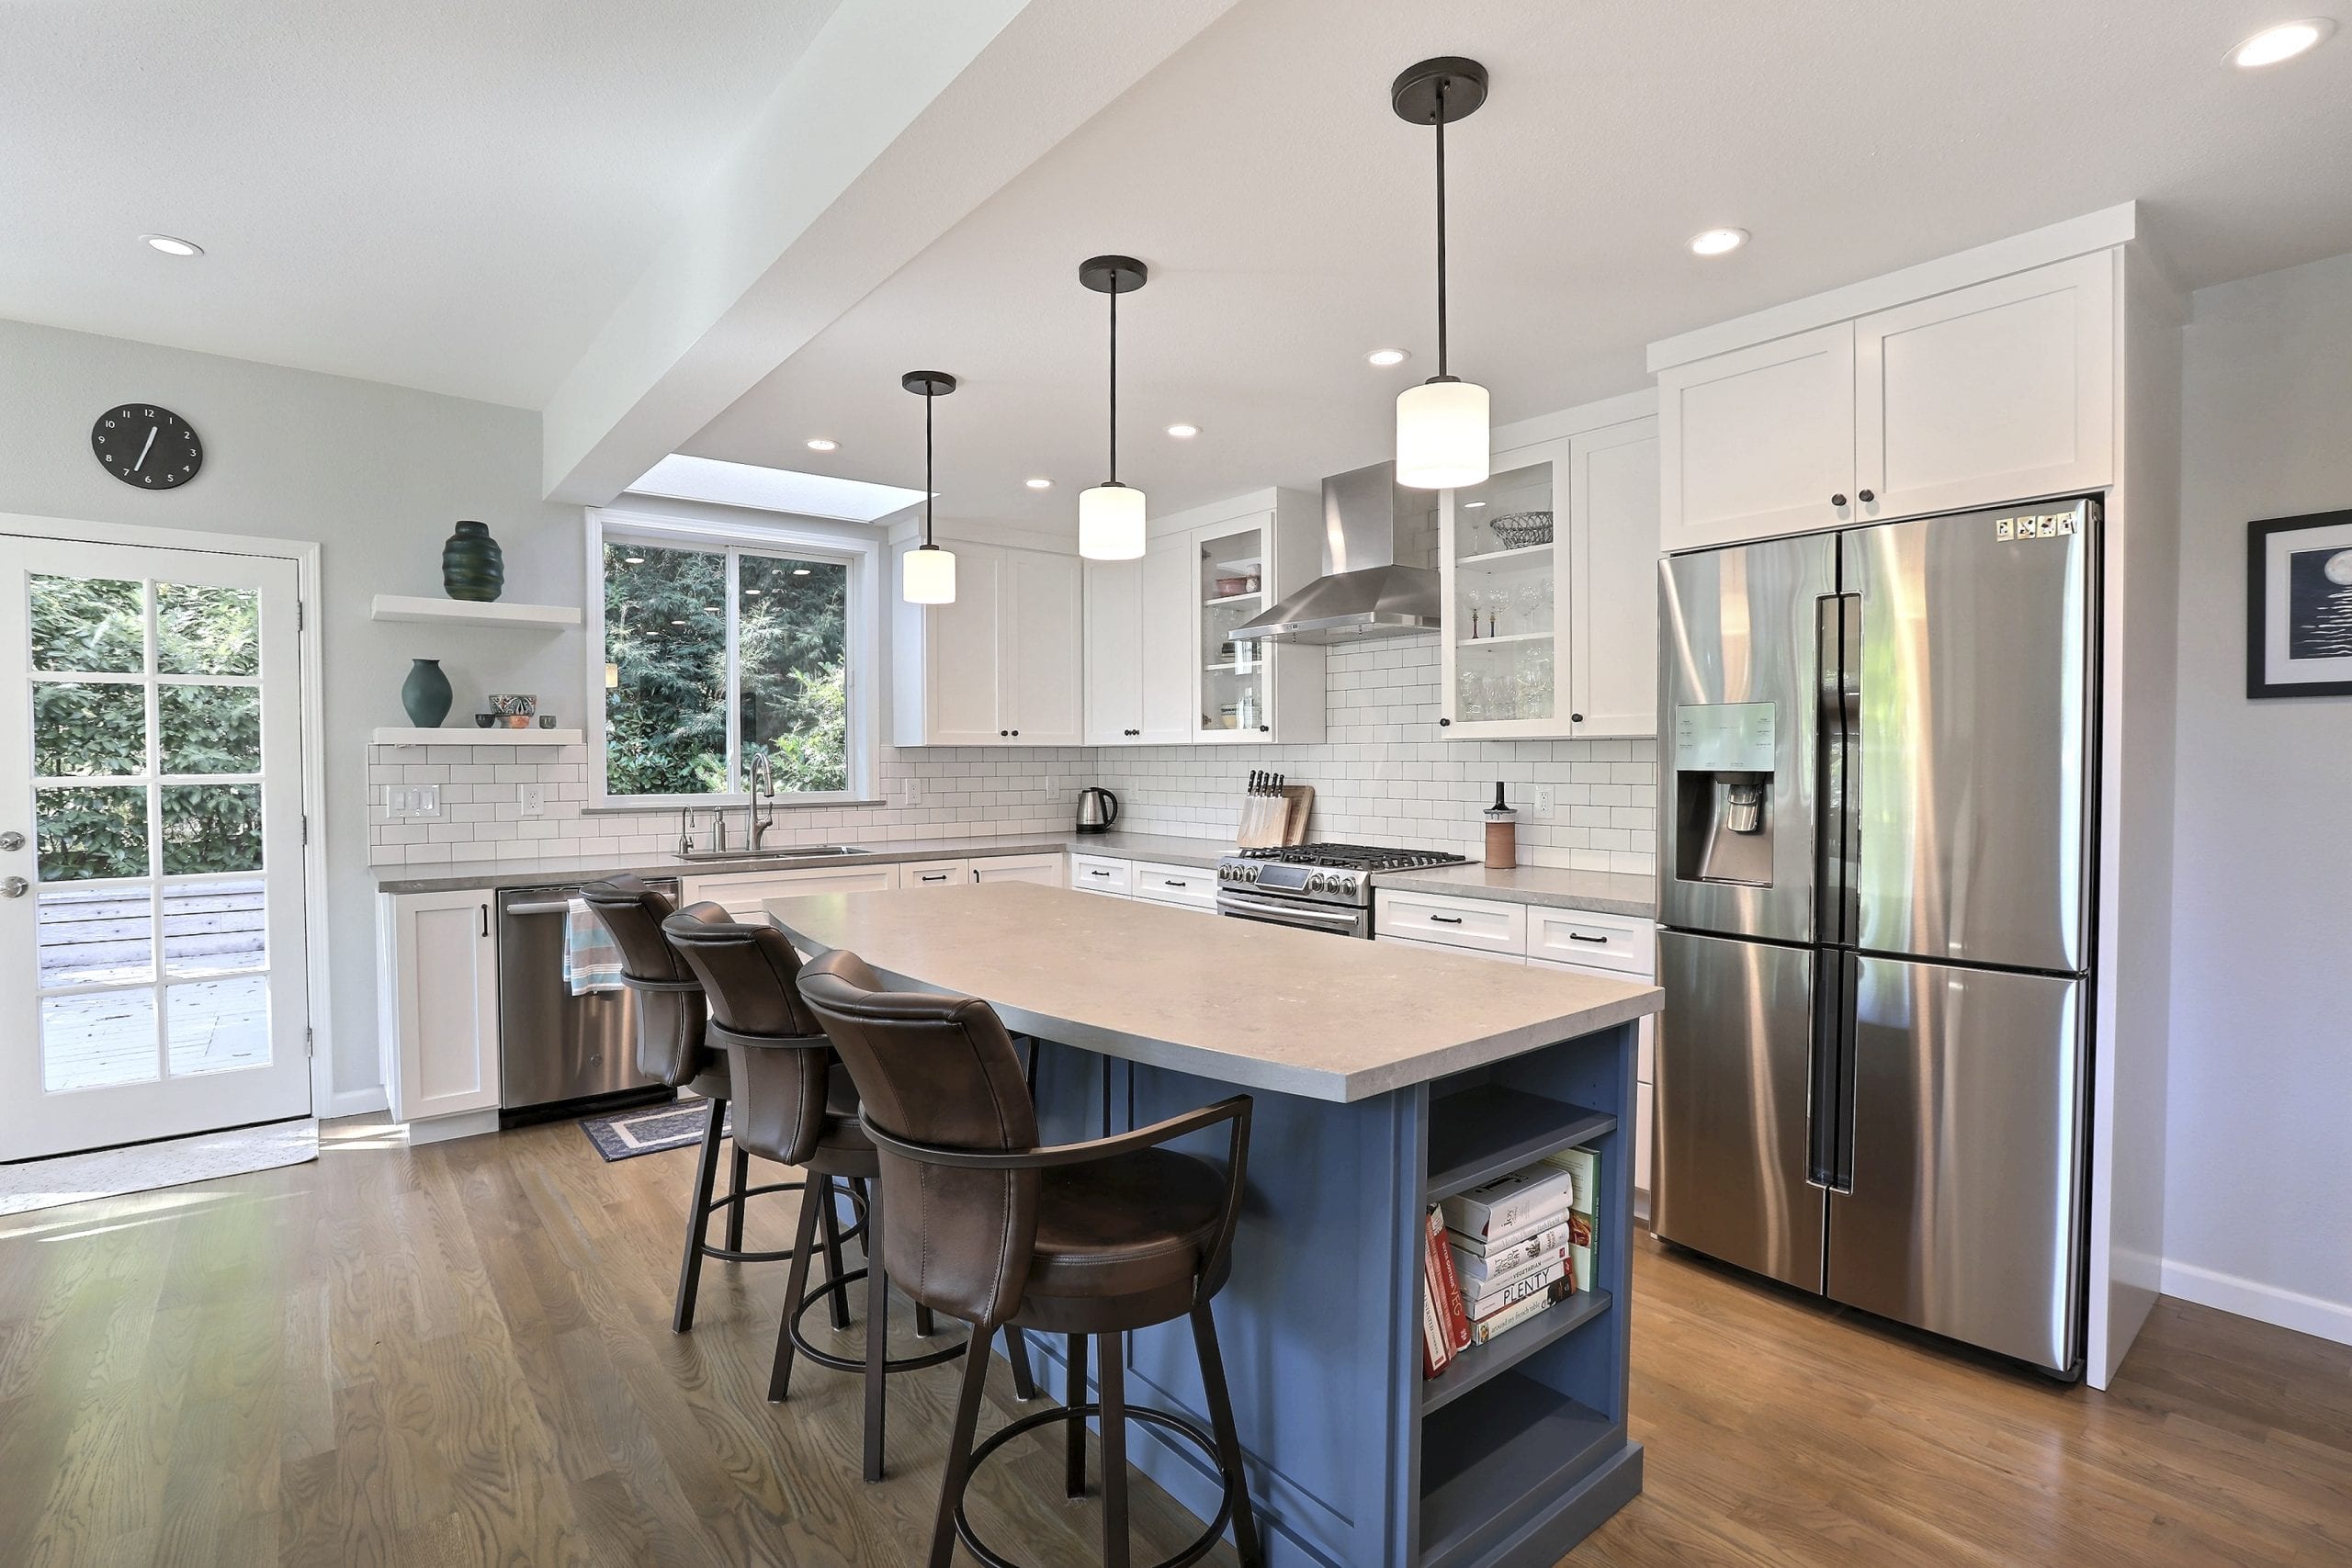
x=147 y=447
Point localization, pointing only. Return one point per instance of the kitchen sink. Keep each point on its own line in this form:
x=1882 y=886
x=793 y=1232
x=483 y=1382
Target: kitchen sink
x=784 y=852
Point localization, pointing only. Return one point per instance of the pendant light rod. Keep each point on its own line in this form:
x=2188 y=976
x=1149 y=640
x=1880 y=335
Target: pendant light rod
x=1440 y=228
x=927 y=385
x=1436 y=93
x=1114 y=386
x=1113 y=275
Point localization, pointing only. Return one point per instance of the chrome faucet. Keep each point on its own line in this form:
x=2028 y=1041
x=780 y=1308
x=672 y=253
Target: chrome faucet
x=763 y=787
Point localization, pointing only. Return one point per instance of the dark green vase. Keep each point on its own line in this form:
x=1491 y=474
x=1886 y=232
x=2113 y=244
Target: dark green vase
x=425 y=693
x=472 y=566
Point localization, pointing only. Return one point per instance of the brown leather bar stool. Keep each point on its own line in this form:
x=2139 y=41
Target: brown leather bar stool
x=1096 y=1238
x=794 y=1105
x=670 y=1047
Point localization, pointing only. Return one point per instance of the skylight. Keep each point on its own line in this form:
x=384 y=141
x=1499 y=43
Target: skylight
x=772 y=490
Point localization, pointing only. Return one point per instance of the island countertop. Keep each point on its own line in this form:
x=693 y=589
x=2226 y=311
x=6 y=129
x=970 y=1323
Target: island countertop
x=1261 y=1005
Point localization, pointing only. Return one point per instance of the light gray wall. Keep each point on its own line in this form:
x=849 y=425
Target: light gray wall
x=2258 y=1185
x=375 y=474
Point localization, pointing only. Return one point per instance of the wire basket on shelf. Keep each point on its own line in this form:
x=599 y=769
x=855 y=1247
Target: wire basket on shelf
x=1522 y=529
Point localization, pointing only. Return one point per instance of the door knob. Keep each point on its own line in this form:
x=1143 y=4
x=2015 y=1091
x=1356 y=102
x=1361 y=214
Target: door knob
x=1866 y=496
x=13 y=888
x=1837 y=500
x=12 y=840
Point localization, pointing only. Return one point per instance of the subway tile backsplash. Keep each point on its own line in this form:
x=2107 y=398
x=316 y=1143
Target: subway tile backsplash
x=1382 y=776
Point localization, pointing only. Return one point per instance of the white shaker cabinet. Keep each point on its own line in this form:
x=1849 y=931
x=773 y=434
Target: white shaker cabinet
x=1045 y=870
x=1612 y=574
x=744 y=893
x=1759 y=440
x=1139 y=648
x=437 y=963
x=999 y=666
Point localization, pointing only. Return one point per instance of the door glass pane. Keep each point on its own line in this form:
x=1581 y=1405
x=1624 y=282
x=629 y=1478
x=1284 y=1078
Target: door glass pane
x=209 y=729
x=218 y=1026
x=87 y=623
x=1506 y=584
x=97 y=1040
x=96 y=936
x=211 y=827
x=203 y=630
x=792 y=649
x=1231 y=577
x=86 y=730
x=213 y=926
x=665 y=656
x=91 y=830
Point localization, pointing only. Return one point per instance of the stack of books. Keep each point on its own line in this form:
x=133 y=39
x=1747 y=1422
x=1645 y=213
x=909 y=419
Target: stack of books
x=1499 y=1254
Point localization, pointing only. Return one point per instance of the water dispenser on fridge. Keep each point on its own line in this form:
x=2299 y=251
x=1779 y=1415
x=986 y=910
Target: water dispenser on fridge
x=1722 y=792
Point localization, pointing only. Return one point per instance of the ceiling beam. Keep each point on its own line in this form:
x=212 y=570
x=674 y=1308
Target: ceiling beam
x=900 y=118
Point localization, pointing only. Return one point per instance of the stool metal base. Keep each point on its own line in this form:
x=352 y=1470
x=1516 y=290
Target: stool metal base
x=857 y=1364
x=778 y=1255
x=1199 y=1549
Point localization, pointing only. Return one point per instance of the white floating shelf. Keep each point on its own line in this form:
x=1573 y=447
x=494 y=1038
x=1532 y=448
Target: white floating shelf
x=467 y=612
x=474 y=735
x=1495 y=558
x=1465 y=643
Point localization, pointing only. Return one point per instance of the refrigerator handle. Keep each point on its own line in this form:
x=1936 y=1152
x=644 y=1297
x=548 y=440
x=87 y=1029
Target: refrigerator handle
x=1848 y=997
x=1829 y=768
x=1849 y=763
x=1822 y=1094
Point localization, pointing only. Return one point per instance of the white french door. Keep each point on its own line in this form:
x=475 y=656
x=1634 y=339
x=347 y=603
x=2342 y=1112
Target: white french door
x=152 y=942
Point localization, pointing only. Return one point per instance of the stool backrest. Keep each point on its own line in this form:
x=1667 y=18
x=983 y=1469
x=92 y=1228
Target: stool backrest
x=670 y=1015
x=779 y=1058
x=941 y=1070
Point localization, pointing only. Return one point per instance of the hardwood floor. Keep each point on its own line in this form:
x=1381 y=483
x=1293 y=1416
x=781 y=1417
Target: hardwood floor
x=462 y=1356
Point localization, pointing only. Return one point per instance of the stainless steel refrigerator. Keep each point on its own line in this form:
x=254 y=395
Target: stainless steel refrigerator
x=1878 y=782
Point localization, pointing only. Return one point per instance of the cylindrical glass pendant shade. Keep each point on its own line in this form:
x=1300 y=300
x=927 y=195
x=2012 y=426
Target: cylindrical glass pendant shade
x=929 y=576
x=1442 y=435
x=1110 y=523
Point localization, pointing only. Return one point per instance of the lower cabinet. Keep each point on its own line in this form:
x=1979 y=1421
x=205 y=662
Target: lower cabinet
x=1182 y=886
x=921 y=875
x=1100 y=874
x=1458 y=951
x=741 y=893
x=437 y=1002
x=1044 y=870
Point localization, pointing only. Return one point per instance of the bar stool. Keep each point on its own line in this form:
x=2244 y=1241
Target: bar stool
x=794 y=1106
x=670 y=1047
x=1095 y=1238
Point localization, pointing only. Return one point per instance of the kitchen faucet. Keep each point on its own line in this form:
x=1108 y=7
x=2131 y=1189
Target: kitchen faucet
x=763 y=785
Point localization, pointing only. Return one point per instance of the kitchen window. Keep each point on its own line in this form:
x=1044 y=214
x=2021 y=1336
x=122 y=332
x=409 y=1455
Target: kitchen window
x=717 y=649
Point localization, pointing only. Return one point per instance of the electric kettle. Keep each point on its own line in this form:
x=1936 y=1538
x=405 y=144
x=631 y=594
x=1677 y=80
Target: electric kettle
x=1097 y=809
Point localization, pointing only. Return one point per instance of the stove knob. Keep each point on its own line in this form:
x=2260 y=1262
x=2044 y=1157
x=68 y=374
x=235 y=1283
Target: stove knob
x=1315 y=882
x=1347 y=883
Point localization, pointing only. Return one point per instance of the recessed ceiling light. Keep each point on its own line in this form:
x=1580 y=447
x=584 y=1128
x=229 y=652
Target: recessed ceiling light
x=821 y=445
x=1040 y=484
x=633 y=561
x=1183 y=431
x=800 y=571
x=1717 y=242
x=1473 y=505
x=754 y=593
x=172 y=246
x=677 y=623
x=2284 y=41
x=1385 y=357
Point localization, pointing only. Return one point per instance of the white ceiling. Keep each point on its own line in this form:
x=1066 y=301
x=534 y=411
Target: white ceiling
x=1287 y=216
x=445 y=194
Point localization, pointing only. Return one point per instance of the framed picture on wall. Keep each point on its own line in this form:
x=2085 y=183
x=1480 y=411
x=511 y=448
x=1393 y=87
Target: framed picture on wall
x=2299 y=606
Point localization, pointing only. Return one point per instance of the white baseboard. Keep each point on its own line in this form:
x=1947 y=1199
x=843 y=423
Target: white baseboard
x=2264 y=1304
x=354 y=1102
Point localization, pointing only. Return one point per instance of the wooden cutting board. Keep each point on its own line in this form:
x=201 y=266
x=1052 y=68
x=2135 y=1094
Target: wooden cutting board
x=1271 y=820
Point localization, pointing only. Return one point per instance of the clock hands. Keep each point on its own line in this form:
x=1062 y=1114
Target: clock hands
x=145 y=450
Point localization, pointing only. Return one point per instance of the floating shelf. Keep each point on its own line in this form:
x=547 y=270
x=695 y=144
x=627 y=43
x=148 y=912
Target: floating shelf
x=1232 y=669
x=473 y=735
x=1505 y=1350
x=1229 y=599
x=1492 y=1129
x=1507 y=636
x=1497 y=557
x=466 y=613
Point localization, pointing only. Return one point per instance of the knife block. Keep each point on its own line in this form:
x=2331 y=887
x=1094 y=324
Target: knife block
x=1269 y=821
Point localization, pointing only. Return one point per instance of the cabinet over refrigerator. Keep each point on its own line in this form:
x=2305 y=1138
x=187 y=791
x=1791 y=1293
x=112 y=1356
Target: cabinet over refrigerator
x=1876 y=921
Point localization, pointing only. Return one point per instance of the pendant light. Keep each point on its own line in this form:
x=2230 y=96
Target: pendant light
x=928 y=576
x=1110 y=515
x=1441 y=440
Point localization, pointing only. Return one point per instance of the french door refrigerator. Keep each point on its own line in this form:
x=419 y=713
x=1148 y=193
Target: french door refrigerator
x=1875 y=916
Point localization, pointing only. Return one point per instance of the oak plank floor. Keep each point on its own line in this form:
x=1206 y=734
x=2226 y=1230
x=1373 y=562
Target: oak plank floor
x=462 y=1356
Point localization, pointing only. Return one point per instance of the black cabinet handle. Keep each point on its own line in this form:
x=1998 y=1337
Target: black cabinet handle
x=1579 y=936
x=1173 y=882
x=1837 y=500
x=1016 y=733
x=1004 y=732
x=485 y=919
x=1098 y=874
x=1131 y=732
x=934 y=877
x=1444 y=722
x=1446 y=919
x=1866 y=496
x=1576 y=719
x=1265 y=728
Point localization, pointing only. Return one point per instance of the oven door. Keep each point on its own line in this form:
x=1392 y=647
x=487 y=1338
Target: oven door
x=1338 y=920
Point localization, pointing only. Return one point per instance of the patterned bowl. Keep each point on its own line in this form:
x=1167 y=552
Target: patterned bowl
x=1522 y=529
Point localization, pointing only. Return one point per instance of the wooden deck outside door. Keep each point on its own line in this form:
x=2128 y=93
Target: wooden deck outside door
x=152 y=940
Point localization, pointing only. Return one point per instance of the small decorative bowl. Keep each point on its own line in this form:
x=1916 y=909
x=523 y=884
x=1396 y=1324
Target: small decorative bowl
x=515 y=720
x=511 y=703
x=1226 y=587
x=547 y=721
x=1522 y=529
x=484 y=720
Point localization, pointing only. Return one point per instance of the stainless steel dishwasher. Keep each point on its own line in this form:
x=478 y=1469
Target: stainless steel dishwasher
x=556 y=1048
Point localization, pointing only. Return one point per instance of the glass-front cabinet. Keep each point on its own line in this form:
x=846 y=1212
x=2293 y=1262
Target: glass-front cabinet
x=1550 y=598
x=1229 y=577
x=1506 y=566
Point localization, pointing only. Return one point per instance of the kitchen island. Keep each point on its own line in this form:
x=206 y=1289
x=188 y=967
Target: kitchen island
x=1385 y=1079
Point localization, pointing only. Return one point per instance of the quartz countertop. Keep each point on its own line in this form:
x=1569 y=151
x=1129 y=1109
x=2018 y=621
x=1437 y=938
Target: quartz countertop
x=1596 y=892
x=531 y=872
x=1263 y=1007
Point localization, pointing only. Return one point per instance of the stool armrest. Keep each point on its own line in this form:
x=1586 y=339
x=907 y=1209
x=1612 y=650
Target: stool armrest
x=634 y=984
x=1235 y=1110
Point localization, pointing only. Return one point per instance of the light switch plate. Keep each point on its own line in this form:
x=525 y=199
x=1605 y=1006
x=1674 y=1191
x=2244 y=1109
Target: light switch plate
x=531 y=799
x=413 y=802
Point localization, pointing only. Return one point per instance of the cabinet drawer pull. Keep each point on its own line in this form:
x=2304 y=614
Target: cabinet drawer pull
x=1579 y=936
x=934 y=877
x=1173 y=882
x=485 y=919
x=1446 y=919
x=1098 y=874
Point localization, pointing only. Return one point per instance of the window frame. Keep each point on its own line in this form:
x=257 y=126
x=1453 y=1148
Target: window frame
x=800 y=539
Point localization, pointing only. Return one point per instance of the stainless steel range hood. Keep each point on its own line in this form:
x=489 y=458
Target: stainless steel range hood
x=1379 y=566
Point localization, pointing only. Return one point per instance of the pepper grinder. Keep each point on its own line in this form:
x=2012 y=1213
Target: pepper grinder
x=1502 y=833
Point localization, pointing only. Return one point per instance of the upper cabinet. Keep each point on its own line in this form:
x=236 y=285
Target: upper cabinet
x=999 y=666
x=1551 y=601
x=1161 y=664
x=1996 y=391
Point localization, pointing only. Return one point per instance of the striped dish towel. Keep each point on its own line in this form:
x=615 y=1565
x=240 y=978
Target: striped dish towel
x=591 y=961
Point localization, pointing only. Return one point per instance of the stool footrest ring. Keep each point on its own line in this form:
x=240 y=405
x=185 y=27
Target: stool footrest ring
x=856 y=1231
x=857 y=1363
x=1207 y=1445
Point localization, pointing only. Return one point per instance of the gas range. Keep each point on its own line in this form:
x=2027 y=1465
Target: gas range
x=1317 y=887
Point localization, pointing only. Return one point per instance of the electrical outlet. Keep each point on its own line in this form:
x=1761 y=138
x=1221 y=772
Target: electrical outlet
x=531 y=799
x=1541 y=799
x=914 y=792
x=413 y=801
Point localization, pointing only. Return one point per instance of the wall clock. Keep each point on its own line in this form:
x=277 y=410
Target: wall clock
x=147 y=447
